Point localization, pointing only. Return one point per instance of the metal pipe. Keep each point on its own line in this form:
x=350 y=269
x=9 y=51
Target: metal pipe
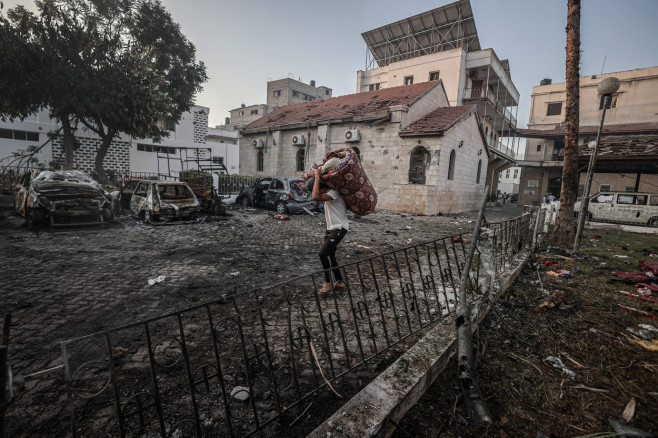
x=478 y=411
x=584 y=203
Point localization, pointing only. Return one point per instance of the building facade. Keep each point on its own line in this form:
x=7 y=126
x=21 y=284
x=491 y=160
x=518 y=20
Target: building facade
x=508 y=180
x=287 y=91
x=421 y=155
x=443 y=44
x=187 y=147
x=630 y=122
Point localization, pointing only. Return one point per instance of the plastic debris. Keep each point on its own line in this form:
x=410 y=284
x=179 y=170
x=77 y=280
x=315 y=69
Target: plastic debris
x=594 y=236
x=639 y=297
x=240 y=393
x=647 y=345
x=235 y=274
x=648 y=327
x=642 y=334
x=553 y=273
x=550 y=263
x=638 y=311
x=158 y=279
x=281 y=217
x=557 y=364
x=633 y=277
x=621 y=256
x=620 y=427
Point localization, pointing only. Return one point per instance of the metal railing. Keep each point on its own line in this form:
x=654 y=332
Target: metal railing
x=253 y=362
x=500 y=147
x=479 y=92
x=232 y=184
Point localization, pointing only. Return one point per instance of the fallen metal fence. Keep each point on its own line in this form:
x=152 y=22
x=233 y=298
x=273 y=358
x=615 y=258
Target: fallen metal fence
x=252 y=363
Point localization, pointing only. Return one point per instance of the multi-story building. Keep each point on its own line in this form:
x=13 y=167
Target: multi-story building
x=287 y=91
x=280 y=92
x=508 y=180
x=443 y=44
x=189 y=143
x=629 y=136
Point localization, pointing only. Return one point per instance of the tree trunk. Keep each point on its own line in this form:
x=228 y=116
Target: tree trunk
x=69 y=142
x=565 y=224
x=100 y=156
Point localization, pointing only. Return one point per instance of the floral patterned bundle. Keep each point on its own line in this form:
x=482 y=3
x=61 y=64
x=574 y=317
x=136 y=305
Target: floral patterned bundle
x=351 y=181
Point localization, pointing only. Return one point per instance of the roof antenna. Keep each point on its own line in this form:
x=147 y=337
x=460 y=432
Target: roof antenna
x=606 y=57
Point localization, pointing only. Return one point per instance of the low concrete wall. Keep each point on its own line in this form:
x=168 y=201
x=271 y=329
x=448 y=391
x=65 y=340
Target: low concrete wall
x=399 y=387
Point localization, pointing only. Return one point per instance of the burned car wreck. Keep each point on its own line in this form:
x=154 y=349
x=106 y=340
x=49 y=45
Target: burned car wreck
x=164 y=201
x=62 y=198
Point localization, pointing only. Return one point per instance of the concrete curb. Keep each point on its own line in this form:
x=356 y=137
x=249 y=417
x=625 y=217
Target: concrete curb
x=388 y=398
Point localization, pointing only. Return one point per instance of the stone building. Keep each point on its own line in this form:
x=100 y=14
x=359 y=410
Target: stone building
x=630 y=133
x=443 y=44
x=421 y=155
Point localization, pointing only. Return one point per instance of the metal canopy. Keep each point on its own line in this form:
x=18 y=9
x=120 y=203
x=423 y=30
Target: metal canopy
x=448 y=27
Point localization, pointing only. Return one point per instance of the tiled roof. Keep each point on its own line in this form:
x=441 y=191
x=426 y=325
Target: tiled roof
x=616 y=147
x=607 y=129
x=437 y=121
x=371 y=103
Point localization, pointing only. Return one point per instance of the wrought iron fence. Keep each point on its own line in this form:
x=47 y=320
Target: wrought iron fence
x=232 y=184
x=251 y=363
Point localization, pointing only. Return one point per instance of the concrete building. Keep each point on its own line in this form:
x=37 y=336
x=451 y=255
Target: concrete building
x=508 y=180
x=188 y=146
x=421 y=155
x=443 y=44
x=630 y=134
x=280 y=92
x=287 y=91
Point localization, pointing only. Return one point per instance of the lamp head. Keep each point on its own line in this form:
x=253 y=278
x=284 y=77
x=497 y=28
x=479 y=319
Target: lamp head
x=608 y=86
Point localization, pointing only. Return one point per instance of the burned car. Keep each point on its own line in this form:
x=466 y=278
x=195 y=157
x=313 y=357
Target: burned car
x=285 y=195
x=123 y=196
x=164 y=201
x=62 y=198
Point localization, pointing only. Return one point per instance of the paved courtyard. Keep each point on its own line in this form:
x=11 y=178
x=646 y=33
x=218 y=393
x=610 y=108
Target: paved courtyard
x=64 y=283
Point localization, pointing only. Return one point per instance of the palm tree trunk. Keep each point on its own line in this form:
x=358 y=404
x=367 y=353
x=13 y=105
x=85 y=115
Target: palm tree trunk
x=565 y=224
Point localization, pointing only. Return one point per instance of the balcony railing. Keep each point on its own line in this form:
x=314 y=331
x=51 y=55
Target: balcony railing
x=505 y=150
x=480 y=92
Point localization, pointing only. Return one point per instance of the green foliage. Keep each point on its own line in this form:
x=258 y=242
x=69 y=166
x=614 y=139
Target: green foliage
x=113 y=65
x=193 y=173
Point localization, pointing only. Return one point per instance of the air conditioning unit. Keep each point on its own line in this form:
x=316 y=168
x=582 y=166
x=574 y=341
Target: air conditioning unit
x=258 y=143
x=298 y=140
x=352 y=135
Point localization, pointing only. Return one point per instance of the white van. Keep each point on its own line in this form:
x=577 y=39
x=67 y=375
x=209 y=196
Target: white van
x=623 y=207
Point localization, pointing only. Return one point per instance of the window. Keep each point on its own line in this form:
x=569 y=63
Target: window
x=254 y=112
x=158 y=149
x=602 y=199
x=612 y=103
x=242 y=113
x=507 y=174
x=373 y=87
x=451 y=165
x=516 y=173
x=408 y=80
x=605 y=188
x=166 y=124
x=434 y=76
x=19 y=135
x=300 y=160
x=538 y=148
x=259 y=161
x=358 y=152
x=276 y=93
x=629 y=189
x=477 y=177
x=654 y=200
x=420 y=161
x=326 y=92
x=554 y=109
x=277 y=184
x=295 y=93
x=217 y=160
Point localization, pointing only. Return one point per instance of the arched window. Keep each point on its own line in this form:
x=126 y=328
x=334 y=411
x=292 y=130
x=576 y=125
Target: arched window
x=451 y=165
x=358 y=152
x=300 y=160
x=477 y=178
x=420 y=160
x=260 y=161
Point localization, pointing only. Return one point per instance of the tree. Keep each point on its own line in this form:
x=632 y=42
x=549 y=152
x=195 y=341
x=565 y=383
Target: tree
x=119 y=66
x=565 y=223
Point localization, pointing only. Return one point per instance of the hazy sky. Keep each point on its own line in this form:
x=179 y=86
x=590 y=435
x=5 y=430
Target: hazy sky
x=245 y=43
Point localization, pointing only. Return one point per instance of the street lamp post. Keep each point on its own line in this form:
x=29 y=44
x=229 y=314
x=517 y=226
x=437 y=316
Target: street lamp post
x=606 y=88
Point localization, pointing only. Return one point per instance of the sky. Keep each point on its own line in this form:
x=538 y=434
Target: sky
x=245 y=43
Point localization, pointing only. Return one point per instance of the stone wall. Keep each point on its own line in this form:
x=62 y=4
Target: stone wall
x=386 y=158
